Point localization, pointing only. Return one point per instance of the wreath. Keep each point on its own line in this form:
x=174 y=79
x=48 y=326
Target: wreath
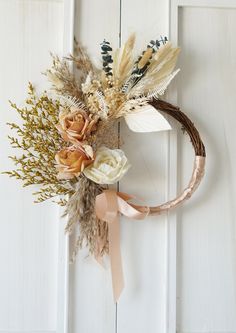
x=69 y=146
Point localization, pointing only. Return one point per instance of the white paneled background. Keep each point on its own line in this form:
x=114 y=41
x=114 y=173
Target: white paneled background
x=207 y=235
x=196 y=295
x=29 y=232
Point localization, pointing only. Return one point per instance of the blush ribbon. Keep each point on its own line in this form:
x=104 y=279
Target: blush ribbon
x=108 y=206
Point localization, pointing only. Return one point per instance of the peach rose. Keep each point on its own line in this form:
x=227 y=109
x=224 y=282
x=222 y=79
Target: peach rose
x=75 y=126
x=72 y=161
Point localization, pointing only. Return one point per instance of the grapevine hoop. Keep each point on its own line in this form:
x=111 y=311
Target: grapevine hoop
x=200 y=156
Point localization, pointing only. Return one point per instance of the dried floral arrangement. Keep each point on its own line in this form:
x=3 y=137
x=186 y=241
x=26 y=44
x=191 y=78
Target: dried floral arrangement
x=69 y=146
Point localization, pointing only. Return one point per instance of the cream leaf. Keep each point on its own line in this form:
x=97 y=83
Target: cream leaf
x=146 y=119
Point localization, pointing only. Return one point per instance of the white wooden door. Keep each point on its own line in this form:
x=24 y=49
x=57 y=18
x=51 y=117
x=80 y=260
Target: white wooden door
x=199 y=293
x=29 y=30
x=180 y=269
x=206 y=291
x=142 y=306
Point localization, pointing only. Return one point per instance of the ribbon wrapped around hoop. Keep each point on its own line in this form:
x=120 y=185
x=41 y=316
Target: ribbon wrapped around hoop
x=108 y=206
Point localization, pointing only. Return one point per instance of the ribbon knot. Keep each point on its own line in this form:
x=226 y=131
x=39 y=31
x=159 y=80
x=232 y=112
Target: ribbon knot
x=108 y=206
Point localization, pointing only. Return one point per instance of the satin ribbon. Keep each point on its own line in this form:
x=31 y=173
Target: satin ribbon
x=108 y=206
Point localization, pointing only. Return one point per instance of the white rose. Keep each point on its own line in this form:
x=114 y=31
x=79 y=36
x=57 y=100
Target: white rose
x=109 y=166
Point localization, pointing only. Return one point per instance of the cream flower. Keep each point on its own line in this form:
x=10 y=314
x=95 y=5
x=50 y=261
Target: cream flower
x=109 y=166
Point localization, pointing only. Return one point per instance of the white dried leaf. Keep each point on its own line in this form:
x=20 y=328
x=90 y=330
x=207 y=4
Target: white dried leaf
x=146 y=119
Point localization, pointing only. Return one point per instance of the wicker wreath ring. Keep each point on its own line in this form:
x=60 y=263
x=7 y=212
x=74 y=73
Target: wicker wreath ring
x=200 y=156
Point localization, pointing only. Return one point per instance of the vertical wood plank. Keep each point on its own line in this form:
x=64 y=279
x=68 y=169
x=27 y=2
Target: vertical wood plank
x=207 y=270
x=91 y=301
x=28 y=239
x=173 y=188
x=142 y=306
x=64 y=239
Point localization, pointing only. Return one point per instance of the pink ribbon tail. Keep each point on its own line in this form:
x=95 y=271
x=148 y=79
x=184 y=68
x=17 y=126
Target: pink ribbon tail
x=108 y=206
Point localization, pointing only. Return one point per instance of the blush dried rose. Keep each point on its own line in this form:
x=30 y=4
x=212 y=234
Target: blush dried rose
x=71 y=162
x=76 y=125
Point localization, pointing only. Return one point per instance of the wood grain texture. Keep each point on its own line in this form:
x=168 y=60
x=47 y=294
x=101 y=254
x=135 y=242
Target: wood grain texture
x=142 y=306
x=28 y=239
x=207 y=233
x=206 y=230
x=91 y=301
x=63 y=271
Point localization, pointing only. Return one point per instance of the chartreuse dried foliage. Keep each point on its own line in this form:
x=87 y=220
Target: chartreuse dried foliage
x=38 y=140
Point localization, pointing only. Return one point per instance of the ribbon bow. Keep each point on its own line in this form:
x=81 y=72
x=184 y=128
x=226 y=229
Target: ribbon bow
x=108 y=206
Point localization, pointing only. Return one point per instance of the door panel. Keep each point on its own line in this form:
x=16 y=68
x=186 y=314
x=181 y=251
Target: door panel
x=206 y=298
x=207 y=253
x=91 y=301
x=142 y=306
x=29 y=232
